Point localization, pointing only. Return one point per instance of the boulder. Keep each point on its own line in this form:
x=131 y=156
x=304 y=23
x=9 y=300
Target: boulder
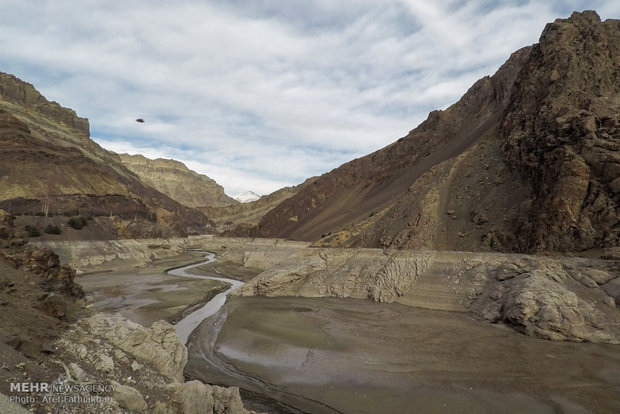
x=551 y=302
x=198 y=398
x=128 y=398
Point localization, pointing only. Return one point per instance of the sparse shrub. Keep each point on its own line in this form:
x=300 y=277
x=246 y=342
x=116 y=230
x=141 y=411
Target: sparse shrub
x=52 y=229
x=32 y=231
x=40 y=214
x=77 y=222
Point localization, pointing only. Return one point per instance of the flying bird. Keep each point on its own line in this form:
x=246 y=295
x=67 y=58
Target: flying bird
x=140 y=120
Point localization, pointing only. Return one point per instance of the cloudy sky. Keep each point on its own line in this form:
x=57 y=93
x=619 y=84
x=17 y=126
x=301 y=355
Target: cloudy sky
x=260 y=94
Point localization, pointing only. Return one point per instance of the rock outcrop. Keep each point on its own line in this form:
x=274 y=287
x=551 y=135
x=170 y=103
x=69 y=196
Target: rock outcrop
x=157 y=347
x=341 y=273
x=561 y=133
x=21 y=93
x=178 y=182
x=141 y=368
x=100 y=255
x=551 y=300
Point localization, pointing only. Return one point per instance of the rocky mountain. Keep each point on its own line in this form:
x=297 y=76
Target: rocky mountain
x=178 y=182
x=527 y=160
x=50 y=169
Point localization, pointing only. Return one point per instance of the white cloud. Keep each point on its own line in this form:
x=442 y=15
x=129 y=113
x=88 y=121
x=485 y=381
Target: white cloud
x=258 y=95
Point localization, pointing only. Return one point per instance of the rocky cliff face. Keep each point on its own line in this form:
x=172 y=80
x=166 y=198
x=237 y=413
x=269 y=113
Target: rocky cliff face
x=525 y=161
x=49 y=166
x=17 y=92
x=177 y=181
x=561 y=133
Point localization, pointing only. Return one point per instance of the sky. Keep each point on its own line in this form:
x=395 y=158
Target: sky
x=262 y=94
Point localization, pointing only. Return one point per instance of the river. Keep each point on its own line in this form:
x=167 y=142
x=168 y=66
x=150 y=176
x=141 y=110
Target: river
x=335 y=355
x=186 y=325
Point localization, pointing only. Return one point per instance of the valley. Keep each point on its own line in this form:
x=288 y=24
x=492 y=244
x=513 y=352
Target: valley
x=472 y=265
x=285 y=343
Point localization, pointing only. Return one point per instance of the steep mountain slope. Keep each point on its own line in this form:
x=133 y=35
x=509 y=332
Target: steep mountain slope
x=50 y=167
x=178 y=182
x=527 y=160
x=354 y=191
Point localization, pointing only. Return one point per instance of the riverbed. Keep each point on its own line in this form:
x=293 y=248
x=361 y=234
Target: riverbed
x=150 y=294
x=185 y=326
x=328 y=355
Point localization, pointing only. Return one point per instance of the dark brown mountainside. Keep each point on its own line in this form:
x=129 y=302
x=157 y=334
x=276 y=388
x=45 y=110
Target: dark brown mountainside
x=527 y=160
x=50 y=169
x=353 y=192
x=561 y=132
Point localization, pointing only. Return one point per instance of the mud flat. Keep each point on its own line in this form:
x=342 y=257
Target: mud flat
x=147 y=295
x=356 y=356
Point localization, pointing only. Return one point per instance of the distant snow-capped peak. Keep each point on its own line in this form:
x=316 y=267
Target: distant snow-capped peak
x=246 y=197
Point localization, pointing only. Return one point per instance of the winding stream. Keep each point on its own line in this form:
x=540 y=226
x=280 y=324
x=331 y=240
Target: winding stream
x=186 y=325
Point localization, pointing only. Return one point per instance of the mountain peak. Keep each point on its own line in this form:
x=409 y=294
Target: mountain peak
x=246 y=197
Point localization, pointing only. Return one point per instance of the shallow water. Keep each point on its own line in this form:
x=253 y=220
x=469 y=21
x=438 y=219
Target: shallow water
x=186 y=325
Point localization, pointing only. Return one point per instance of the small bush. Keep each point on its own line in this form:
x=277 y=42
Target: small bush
x=51 y=229
x=32 y=231
x=77 y=222
x=40 y=214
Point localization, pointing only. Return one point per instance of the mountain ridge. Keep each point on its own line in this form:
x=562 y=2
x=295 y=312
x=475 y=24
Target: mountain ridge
x=49 y=168
x=472 y=178
x=174 y=179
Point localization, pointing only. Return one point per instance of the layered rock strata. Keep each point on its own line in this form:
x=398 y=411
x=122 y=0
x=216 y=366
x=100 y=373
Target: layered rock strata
x=50 y=167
